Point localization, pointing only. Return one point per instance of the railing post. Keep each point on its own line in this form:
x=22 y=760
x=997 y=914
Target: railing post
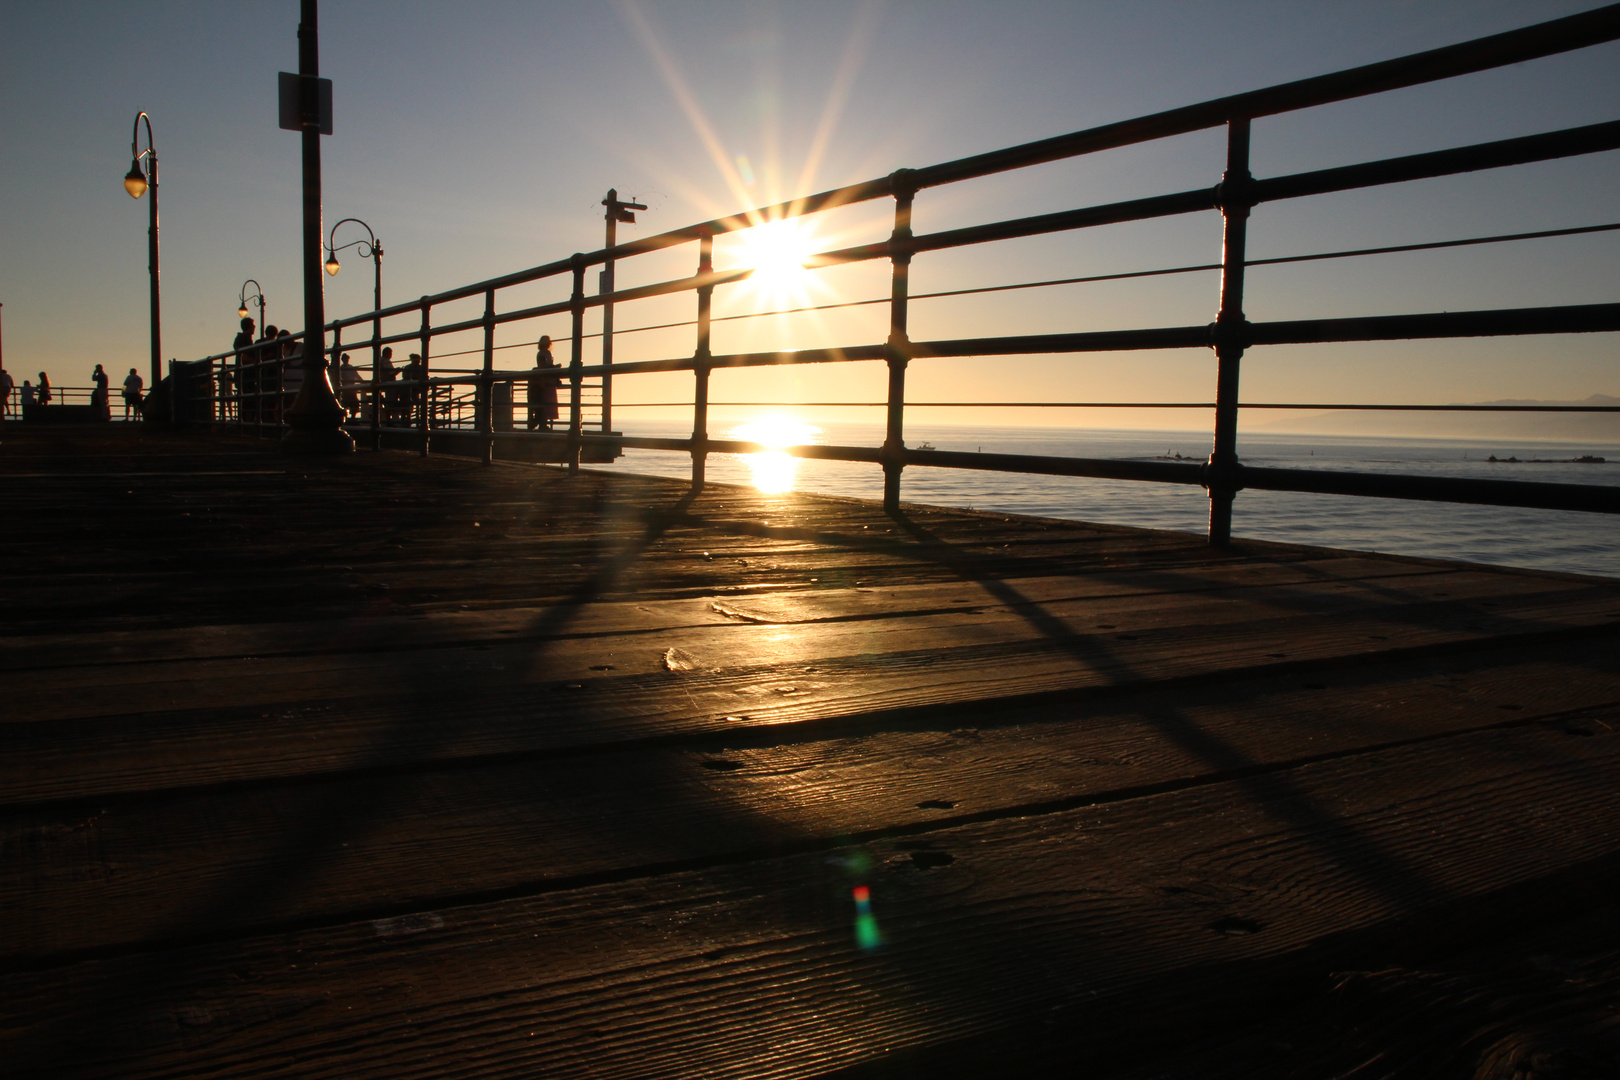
x=427 y=391
x=700 y=369
x=576 y=304
x=897 y=350
x=1224 y=474
x=484 y=413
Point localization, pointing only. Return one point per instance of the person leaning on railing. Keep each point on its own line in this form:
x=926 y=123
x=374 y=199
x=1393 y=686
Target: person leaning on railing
x=543 y=381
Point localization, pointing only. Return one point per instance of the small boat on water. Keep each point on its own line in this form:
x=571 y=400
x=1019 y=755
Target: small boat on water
x=925 y=446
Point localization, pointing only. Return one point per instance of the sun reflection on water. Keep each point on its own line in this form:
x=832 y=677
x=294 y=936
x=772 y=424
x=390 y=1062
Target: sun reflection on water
x=774 y=470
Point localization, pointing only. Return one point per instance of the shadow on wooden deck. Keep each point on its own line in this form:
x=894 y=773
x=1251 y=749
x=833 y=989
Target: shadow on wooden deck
x=399 y=767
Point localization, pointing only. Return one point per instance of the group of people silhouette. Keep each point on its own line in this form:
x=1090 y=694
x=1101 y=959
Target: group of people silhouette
x=33 y=395
x=253 y=388
x=259 y=386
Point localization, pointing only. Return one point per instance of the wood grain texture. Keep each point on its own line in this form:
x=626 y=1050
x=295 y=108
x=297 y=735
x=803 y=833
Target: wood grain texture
x=404 y=767
x=750 y=969
x=87 y=877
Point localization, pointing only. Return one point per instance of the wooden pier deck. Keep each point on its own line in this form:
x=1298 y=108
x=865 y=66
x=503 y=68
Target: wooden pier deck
x=401 y=767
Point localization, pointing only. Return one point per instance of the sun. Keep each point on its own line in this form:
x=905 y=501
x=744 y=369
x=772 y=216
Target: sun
x=776 y=252
x=774 y=470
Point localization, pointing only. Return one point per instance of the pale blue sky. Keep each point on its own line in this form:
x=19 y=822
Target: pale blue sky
x=477 y=138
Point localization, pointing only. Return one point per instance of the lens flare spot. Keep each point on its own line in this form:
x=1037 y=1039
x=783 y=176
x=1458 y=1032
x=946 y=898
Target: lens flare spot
x=867 y=935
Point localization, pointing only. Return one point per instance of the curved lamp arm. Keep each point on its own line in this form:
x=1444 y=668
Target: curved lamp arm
x=137 y=181
x=258 y=296
x=369 y=248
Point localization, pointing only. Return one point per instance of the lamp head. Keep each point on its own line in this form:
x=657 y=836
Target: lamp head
x=135 y=180
x=332 y=266
x=241 y=312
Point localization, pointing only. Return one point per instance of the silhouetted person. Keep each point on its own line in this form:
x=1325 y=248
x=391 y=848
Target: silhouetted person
x=276 y=351
x=387 y=397
x=251 y=381
x=242 y=343
x=543 y=387
x=98 y=397
x=349 y=380
x=292 y=369
x=6 y=386
x=411 y=375
x=132 y=394
x=30 y=396
x=44 y=390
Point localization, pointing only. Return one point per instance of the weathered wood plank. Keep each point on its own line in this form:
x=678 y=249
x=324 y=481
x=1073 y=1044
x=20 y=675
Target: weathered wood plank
x=92 y=876
x=1537 y=1003
x=803 y=603
x=1013 y=927
x=421 y=710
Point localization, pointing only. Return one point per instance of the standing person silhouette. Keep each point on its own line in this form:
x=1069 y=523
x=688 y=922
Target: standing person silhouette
x=98 y=397
x=412 y=373
x=132 y=394
x=349 y=380
x=385 y=398
x=228 y=370
x=543 y=387
x=6 y=384
x=43 y=391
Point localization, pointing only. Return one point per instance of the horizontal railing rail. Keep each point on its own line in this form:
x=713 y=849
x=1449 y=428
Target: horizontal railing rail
x=487 y=401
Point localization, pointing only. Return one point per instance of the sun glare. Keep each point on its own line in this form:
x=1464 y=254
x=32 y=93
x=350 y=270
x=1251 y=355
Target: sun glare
x=777 y=251
x=774 y=470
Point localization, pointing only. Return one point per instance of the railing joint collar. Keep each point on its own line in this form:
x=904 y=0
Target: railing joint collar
x=1234 y=195
x=1219 y=475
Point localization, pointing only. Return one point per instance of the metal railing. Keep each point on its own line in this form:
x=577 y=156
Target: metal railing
x=468 y=399
x=79 y=397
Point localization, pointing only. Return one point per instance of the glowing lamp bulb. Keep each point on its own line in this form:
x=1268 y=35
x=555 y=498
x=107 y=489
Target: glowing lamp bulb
x=135 y=180
x=241 y=312
x=332 y=266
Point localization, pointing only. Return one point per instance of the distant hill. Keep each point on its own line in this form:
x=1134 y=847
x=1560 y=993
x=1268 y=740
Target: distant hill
x=1569 y=427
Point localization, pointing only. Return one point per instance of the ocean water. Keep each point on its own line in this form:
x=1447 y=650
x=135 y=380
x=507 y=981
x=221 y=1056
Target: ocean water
x=1581 y=543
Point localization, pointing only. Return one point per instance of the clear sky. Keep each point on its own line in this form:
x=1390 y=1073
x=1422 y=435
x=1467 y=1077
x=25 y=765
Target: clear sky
x=477 y=138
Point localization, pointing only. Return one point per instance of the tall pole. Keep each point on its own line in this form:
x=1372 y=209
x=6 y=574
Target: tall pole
x=142 y=176
x=309 y=66
x=617 y=210
x=152 y=266
x=316 y=417
x=369 y=248
x=606 y=289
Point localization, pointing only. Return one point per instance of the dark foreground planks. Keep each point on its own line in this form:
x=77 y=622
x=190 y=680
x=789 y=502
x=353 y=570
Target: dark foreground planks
x=748 y=969
x=303 y=772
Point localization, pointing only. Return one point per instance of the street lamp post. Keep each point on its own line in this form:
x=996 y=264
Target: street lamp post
x=257 y=298
x=316 y=418
x=617 y=211
x=254 y=357
x=136 y=181
x=367 y=248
